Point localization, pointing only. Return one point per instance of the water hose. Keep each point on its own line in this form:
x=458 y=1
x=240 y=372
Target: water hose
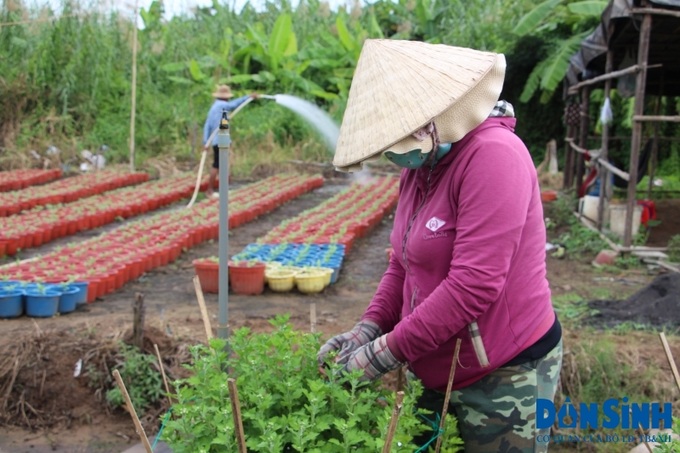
x=208 y=144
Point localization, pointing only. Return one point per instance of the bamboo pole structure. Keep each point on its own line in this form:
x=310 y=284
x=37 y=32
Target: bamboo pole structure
x=657 y=118
x=391 y=430
x=608 y=76
x=568 y=177
x=636 y=140
x=620 y=173
x=133 y=93
x=660 y=12
x=583 y=134
x=447 y=397
x=133 y=413
x=204 y=310
x=604 y=150
x=236 y=412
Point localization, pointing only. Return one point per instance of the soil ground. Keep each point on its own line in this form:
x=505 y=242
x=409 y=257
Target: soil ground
x=173 y=321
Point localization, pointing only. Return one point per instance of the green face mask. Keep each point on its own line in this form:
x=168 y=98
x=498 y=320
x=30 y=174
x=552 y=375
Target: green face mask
x=416 y=158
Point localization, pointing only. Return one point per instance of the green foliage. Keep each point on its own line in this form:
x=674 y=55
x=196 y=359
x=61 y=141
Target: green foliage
x=561 y=211
x=572 y=307
x=672 y=446
x=68 y=81
x=285 y=403
x=562 y=25
x=142 y=380
x=581 y=241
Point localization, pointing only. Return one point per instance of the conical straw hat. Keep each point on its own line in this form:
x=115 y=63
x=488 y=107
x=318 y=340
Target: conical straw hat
x=400 y=86
x=223 y=92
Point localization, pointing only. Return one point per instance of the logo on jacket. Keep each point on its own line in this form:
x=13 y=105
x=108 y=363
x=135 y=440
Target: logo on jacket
x=434 y=224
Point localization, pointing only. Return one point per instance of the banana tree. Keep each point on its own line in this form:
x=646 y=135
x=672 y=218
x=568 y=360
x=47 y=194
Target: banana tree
x=273 y=61
x=563 y=26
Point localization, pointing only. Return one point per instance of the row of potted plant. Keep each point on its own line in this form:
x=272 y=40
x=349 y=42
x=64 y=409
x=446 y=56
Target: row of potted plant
x=67 y=190
x=111 y=259
x=22 y=178
x=40 y=300
x=46 y=223
x=307 y=251
x=309 y=267
x=349 y=215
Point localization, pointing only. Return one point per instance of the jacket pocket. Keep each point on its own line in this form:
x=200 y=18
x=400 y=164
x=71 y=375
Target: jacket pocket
x=478 y=344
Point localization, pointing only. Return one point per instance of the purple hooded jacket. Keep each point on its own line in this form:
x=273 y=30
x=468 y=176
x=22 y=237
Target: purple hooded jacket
x=472 y=265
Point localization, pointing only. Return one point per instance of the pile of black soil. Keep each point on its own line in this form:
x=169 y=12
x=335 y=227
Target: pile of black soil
x=656 y=305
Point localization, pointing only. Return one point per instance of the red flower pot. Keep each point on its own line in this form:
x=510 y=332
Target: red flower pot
x=246 y=278
x=208 y=275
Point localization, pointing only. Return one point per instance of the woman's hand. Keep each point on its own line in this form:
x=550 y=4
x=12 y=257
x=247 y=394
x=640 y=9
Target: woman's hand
x=374 y=359
x=346 y=343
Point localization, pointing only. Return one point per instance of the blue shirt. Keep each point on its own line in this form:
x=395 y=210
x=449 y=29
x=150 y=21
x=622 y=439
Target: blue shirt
x=212 y=122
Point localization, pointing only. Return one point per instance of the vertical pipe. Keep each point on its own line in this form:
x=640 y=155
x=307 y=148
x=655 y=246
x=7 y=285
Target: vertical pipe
x=223 y=143
x=640 y=89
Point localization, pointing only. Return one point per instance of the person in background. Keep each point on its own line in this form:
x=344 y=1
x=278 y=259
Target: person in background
x=468 y=238
x=223 y=101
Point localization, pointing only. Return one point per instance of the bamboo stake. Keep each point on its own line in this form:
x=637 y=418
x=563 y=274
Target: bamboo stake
x=398 y=404
x=236 y=412
x=671 y=362
x=644 y=440
x=401 y=379
x=165 y=379
x=312 y=317
x=133 y=93
x=133 y=414
x=448 y=396
x=204 y=311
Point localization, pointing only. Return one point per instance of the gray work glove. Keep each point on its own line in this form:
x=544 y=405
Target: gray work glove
x=346 y=343
x=374 y=359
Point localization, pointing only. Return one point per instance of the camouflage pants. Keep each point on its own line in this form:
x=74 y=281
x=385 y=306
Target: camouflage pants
x=497 y=414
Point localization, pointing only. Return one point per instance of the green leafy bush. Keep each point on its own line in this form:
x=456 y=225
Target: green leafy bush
x=286 y=405
x=142 y=380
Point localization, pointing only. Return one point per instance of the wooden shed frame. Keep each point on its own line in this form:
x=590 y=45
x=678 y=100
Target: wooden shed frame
x=649 y=29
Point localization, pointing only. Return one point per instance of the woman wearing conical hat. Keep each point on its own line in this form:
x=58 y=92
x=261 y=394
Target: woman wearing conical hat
x=468 y=239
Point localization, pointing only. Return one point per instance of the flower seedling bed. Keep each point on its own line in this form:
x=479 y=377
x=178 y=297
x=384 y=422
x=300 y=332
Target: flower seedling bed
x=43 y=224
x=349 y=215
x=20 y=179
x=67 y=190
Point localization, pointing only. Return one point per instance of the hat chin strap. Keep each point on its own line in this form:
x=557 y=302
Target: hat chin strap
x=432 y=157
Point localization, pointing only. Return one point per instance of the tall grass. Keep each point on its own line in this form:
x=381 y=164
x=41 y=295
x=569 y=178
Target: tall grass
x=65 y=76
